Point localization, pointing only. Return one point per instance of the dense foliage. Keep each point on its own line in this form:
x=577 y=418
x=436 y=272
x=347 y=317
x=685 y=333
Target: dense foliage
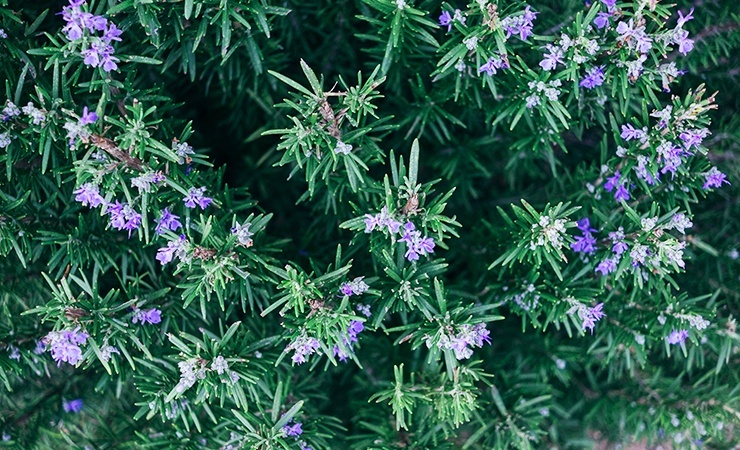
x=368 y=224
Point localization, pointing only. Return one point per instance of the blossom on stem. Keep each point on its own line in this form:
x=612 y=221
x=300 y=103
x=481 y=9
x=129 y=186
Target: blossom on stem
x=151 y=316
x=72 y=406
x=354 y=287
x=594 y=77
x=416 y=244
x=177 y=248
x=677 y=337
x=89 y=195
x=195 y=197
x=123 y=217
x=167 y=221
x=714 y=179
x=243 y=235
x=303 y=346
x=65 y=345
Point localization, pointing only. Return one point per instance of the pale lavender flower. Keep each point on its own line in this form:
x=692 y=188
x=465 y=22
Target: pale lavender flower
x=144 y=181
x=365 y=310
x=416 y=244
x=9 y=111
x=167 y=221
x=683 y=19
x=494 y=64
x=380 y=220
x=610 y=4
x=3 y=34
x=552 y=58
x=617 y=238
x=174 y=248
x=37 y=116
x=5 y=140
x=100 y=54
x=354 y=287
x=602 y=20
x=123 y=217
x=112 y=33
x=586 y=243
x=591 y=316
x=677 y=337
x=151 y=316
x=606 y=266
x=680 y=222
x=685 y=45
x=714 y=179
x=72 y=406
x=89 y=195
x=40 y=347
x=183 y=150
x=220 y=365
x=693 y=138
x=594 y=77
x=243 y=235
x=196 y=197
x=65 y=345
x=520 y=24
x=302 y=347
x=15 y=352
x=629 y=133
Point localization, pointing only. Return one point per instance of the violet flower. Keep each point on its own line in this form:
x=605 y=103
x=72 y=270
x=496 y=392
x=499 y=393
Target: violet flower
x=89 y=195
x=151 y=316
x=167 y=221
x=72 y=406
x=195 y=197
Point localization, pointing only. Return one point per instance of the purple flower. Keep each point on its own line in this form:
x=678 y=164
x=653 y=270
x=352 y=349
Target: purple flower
x=112 y=33
x=445 y=20
x=100 y=54
x=586 y=243
x=151 y=316
x=594 y=77
x=714 y=179
x=294 y=430
x=677 y=337
x=416 y=244
x=602 y=20
x=89 y=195
x=629 y=133
x=612 y=181
x=303 y=346
x=521 y=24
x=494 y=64
x=195 y=197
x=683 y=19
x=591 y=316
x=685 y=45
x=606 y=266
x=355 y=327
x=622 y=193
x=65 y=345
x=174 y=248
x=610 y=4
x=73 y=406
x=167 y=221
x=123 y=217
x=354 y=287
x=693 y=138
x=552 y=58
x=88 y=118
x=380 y=220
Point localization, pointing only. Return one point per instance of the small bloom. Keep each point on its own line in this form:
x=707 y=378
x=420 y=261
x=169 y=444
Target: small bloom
x=629 y=133
x=65 y=345
x=220 y=365
x=602 y=20
x=15 y=352
x=714 y=179
x=607 y=266
x=293 y=430
x=683 y=19
x=89 y=195
x=243 y=235
x=174 y=248
x=445 y=20
x=677 y=337
x=182 y=150
x=10 y=111
x=72 y=406
x=680 y=222
x=88 y=117
x=167 y=221
x=342 y=148
x=416 y=244
x=354 y=287
x=123 y=217
x=552 y=58
x=494 y=64
x=37 y=116
x=622 y=193
x=195 y=197
x=151 y=316
x=107 y=351
x=471 y=42
x=144 y=182
x=303 y=346
x=594 y=77
x=591 y=316
x=365 y=310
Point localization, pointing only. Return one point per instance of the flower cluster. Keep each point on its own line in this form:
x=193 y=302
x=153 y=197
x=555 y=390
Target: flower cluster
x=548 y=232
x=416 y=244
x=461 y=342
x=354 y=287
x=303 y=346
x=167 y=221
x=381 y=220
x=78 y=130
x=342 y=351
x=65 y=345
x=84 y=27
x=144 y=182
x=176 y=248
x=219 y=365
x=89 y=195
x=151 y=316
x=494 y=64
x=677 y=337
x=243 y=235
x=446 y=19
x=538 y=88
x=191 y=370
x=342 y=148
x=519 y=24
x=72 y=406
x=588 y=316
x=619 y=186
x=594 y=78
x=196 y=196
x=123 y=217
x=183 y=150
x=37 y=116
x=585 y=243
x=293 y=429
